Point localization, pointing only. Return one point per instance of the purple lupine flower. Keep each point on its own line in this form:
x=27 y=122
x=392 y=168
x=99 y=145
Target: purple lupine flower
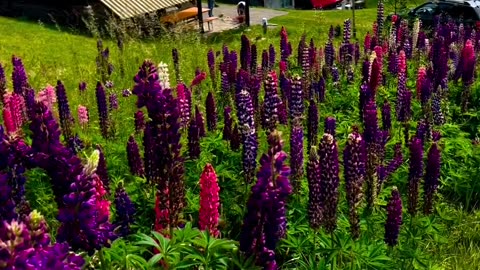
x=438 y=116
x=232 y=66
x=315 y=199
x=354 y=161
x=225 y=84
x=392 y=62
x=392 y=166
x=125 y=211
x=249 y=154
x=415 y=174
x=347 y=26
x=284 y=52
x=19 y=76
x=245 y=53
x=265 y=62
x=135 y=162
x=102 y=171
x=211 y=65
x=253 y=59
x=330 y=126
x=211 y=112
x=365 y=70
x=193 y=140
x=75 y=144
x=271 y=56
x=296 y=153
x=422 y=130
x=126 y=93
x=432 y=175
x=312 y=125
x=109 y=84
x=235 y=139
x=176 y=64
x=227 y=123
x=375 y=75
x=139 y=121
x=335 y=75
x=302 y=44
x=245 y=111
x=330 y=180
x=285 y=86
x=113 y=101
x=386 y=116
x=29 y=97
x=271 y=100
x=66 y=118
x=380 y=20
x=329 y=54
x=267 y=203
x=200 y=122
x=102 y=108
x=7 y=204
x=282 y=113
x=394 y=218
x=295 y=102
x=3 y=83
x=321 y=89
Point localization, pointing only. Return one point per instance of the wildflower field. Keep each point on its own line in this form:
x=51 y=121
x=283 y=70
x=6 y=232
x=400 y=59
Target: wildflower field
x=304 y=149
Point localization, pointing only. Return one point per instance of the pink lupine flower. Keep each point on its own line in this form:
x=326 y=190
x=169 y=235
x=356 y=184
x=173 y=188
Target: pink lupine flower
x=421 y=75
x=82 y=115
x=198 y=79
x=367 y=43
x=209 y=201
x=15 y=103
x=283 y=66
x=184 y=104
x=48 y=97
x=8 y=121
x=402 y=62
x=379 y=53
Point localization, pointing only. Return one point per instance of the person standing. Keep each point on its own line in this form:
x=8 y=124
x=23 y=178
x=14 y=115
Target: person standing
x=211 y=5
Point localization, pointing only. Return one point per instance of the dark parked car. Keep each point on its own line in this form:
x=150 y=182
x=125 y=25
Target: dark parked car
x=466 y=12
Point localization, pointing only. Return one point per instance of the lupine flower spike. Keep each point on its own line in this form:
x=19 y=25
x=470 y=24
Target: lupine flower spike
x=394 y=218
x=209 y=201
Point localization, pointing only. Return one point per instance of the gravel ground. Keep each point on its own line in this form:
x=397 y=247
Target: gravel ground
x=227 y=14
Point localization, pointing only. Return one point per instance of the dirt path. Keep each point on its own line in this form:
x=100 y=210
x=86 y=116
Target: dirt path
x=227 y=13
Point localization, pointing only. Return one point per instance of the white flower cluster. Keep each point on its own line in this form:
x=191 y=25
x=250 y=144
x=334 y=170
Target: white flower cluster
x=163 y=75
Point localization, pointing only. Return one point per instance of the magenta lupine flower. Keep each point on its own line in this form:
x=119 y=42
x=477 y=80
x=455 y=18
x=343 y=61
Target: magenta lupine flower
x=19 y=76
x=267 y=206
x=432 y=175
x=315 y=200
x=354 y=161
x=421 y=76
x=295 y=103
x=48 y=97
x=271 y=100
x=83 y=117
x=208 y=214
x=367 y=43
x=200 y=122
x=102 y=109
x=211 y=112
x=16 y=105
x=375 y=75
x=139 y=119
x=253 y=59
x=193 y=140
x=66 y=119
x=329 y=173
x=235 y=139
x=198 y=79
x=394 y=218
x=125 y=212
x=296 y=153
x=312 y=124
x=415 y=174
x=183 y=96
x=386 y=116
x=284 y=51
x=8 y=121
x=135 y=162
x=227 y=123
x=330 y=126
x=468 y=71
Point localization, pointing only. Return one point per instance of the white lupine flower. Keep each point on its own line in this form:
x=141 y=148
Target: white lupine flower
x=163 y=75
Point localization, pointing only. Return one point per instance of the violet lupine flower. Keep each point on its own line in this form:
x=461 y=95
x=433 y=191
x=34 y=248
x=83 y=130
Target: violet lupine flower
x=302 y=44
x=29 y=98
x=312 y=125
x=265 y=62
x=329 y=173
x=394 y=218
x=82 y=86
x=208 y=214
x=184 y=96
x=415 y=174
x=113 y=102
x=295 y=103
x=354 y=161
x=335 y=75
x=211 y=66
x=296 y=153
x=135 y=162
x=282 y=113
x=245 y=53
x=3 y=83
x=102 y=109
x=211 y=112
x=193 y=140
x=321 y=89
x=330 y=126
x=267 y=201
x=380 y=20
x=232 y=66
x=315 y=199
x=139 y=118
x=371 y=136
x=176 y=64
x=432 y=175
x=235 y=139
x=227 y=123
x=329 y=54
x=19 y=76
x=386 y=116
x=245 y=111
x=438 y=116
x=200 y=122
x=271 y=100
x=249 y=154
x=392 y=62
x=271 y=56
x=392 y=166
x=126 y=93
x=102 y=171
x=125 y=212
x=7 y=204
x=66 y=118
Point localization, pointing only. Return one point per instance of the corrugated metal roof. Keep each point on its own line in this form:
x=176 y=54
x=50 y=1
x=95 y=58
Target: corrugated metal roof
x=130 y=8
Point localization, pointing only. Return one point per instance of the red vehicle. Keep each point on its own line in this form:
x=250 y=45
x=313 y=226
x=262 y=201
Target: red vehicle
x=325 y=4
